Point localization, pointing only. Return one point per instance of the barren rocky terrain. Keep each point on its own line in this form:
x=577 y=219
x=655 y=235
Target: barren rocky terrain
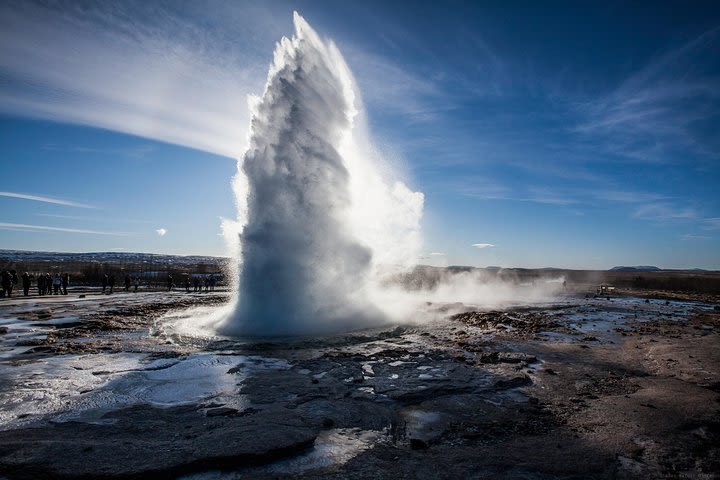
x=619 y=387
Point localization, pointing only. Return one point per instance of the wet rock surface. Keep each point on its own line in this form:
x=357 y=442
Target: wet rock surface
x=587 y=388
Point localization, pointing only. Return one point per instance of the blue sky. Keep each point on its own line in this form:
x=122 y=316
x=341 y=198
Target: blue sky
x=562 y=134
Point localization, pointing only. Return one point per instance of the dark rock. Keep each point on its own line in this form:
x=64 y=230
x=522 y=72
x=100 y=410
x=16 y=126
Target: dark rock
x=418 y=444
x=515 y=382
x=220 y=411
x=143 y=442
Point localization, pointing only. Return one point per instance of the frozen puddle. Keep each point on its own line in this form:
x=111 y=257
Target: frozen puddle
x=84 y=388
x=607 y=318
x=332 y=447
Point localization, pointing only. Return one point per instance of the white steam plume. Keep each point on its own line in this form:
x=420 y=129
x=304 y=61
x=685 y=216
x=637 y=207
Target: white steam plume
x=324 y=241
x=316 y=218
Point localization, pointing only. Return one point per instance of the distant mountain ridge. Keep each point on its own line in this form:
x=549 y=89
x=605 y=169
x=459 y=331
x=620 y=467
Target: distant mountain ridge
x=637 y=268
x=111 y=257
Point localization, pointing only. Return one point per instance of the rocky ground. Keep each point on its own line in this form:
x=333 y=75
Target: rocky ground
x=625 y=387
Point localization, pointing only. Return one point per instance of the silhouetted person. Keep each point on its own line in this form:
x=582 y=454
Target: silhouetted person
x=127 y=282
x=26 y=283
x=170 y=283
x=105 y=281
x=111 y=283
x=136 y=283
x=6 y=283
x=15 y=278
x=48 y=284
x=65 y=282
x=196 y=284
x=187 y=284
x=56 y=283
x=41 y=284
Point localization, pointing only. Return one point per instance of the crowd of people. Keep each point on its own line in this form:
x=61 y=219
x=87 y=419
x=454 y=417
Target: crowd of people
x=198 y=282
x=57 y=283
x=47 y=284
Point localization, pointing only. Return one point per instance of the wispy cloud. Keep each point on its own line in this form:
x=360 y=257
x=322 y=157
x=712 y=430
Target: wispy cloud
x=549 y=197
x=657 y=109
x=138 y=152
x=711 y=223
x=691 y=236
x=106 y=219
x=45 y=199
x=389 y=87
x=483 y=245
x=44 y=228
x=486 y=189
x=664 y=212
x=437 y=254
x=147 y=70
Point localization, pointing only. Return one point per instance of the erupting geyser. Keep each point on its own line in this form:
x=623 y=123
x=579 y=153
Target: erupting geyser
x=316 y=220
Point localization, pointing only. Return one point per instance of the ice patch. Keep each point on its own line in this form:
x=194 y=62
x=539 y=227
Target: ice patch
x=83 y=388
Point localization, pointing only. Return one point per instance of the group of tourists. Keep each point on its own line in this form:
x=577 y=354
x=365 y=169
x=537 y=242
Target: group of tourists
x=108 y=283
x=198 y=283
x=57 y=283
x=47 y=284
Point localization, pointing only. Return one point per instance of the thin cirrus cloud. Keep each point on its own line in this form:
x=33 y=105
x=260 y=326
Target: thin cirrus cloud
x=664 y=212
x=483 y=245
x=157 y=78
x=45 y=199
x=43 y=228
x=711 y=223
x=156 y=71
x=656 y=109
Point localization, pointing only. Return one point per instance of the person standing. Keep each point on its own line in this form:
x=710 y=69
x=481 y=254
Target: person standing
x=111 y=282
x=136 y=283
x=170 y=283
x=41 y=284
x=127 y=282
x=15 y=278
x=65 y=282
x=6 y=283
x=104 y=282
x=26 y=283
x=56 y=283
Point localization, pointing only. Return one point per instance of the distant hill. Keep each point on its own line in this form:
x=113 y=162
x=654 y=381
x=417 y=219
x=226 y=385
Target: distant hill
x=638 y=268
x=110 y=257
